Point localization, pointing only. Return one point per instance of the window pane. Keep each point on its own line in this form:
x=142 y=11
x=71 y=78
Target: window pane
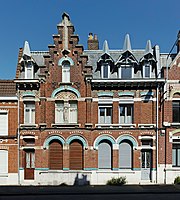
x=27 y=116
x=126 y=72
x=176 y=111
x=105 y=68
x=147 y=71
x=178 y=157
x=73 y=112
x=59 y=110
x=174 y=157
x=66 y=72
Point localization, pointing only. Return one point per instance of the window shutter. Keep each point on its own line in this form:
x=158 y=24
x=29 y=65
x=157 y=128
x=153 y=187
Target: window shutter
x=56 y=156
x=76 y=156
x=125 y=155
x=3 y=124
x=3 y=161
x=104 y=155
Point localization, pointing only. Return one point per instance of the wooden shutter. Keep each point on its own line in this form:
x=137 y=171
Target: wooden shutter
x=3 y=162
x=76 y=156
x=3 y=124
x=125 y=155
x=55 y=155
x=104 y=155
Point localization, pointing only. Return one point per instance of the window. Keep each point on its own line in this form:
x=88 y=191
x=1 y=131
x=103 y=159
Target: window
x=66 y=72
x=29 y=70
x=104 y=155
x=105 y=70
x=76 y=155
x=4 y=162
x=126 y=113
x=66 y=112
x=55 y=155
x=176 y=155
x=29 y=113
x=176 y=111
x=147 y=70
x=3 y=123
x=125 y=155
x=105 y=114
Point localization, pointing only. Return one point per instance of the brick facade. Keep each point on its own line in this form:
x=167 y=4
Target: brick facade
x=84 y=98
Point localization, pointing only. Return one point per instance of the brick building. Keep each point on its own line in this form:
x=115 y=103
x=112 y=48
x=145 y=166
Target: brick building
x=85 y=116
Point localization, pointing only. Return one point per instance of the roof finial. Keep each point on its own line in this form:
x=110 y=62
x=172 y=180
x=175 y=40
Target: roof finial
x=26 y=50
x=105 y=47
x=148 y=48
x=127 y=43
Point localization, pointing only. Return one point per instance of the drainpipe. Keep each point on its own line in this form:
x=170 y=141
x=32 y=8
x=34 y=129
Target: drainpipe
x=18 y=135
x=157 y=129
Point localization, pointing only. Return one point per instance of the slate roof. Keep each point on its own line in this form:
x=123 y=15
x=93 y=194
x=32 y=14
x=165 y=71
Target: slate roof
x=7 y=88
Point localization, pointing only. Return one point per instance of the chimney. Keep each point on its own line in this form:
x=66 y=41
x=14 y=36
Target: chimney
x=178 y=42
x=93 y=43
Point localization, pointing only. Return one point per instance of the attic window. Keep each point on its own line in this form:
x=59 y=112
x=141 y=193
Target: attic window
x=29 y=70
x=105 y=70
x=147 y=70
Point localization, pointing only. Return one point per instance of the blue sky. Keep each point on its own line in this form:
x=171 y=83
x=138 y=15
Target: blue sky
x=36 y=20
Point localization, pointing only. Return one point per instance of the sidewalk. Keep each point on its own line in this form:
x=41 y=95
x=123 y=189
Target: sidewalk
x=76 y=190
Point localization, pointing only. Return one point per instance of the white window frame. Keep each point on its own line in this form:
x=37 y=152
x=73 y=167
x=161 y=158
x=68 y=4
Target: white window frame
x=66 y=71
x=123 y=66
x=144 y=70
x=28 y=66
x=4 y=162
x=31 y=111
x=105 y=106
x=102 y=70
x=126 y=116
x=4 y=123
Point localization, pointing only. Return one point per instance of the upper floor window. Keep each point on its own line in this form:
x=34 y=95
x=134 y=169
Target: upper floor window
x=29 y=112
x=105 y=70
x=147 y=71
x=126 y=114
x=66 y=112
x=4 y=162
x=176 y=111
x=3 y=123
x=29 y=71
x=105 y=114
x=126 y=72
x=66 y=72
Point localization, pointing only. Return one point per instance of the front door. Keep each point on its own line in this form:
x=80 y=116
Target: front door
x=146 y=164
x=29 y=164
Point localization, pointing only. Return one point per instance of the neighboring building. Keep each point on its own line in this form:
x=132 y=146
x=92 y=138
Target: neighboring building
x=8 y=133
x=85 y=116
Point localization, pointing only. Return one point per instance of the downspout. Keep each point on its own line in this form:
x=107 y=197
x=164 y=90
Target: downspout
x=157 y=130
x=18 y=135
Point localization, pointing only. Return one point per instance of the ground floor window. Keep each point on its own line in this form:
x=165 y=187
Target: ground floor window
x=176 y=155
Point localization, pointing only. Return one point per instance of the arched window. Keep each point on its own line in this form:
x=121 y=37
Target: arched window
x=66 y=72
x=104 y=155
x=76 y=155
x=55 y=155
x=125 y=155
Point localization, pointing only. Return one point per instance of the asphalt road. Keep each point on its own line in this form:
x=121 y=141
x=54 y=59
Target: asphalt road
x=128 y=192
x=94 y=197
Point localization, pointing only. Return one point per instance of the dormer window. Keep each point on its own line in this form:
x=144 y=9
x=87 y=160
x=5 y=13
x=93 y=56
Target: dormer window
x=126 y=72
x=105 y=70
x=29 y=71
x=147 y=70
x=66 y=72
